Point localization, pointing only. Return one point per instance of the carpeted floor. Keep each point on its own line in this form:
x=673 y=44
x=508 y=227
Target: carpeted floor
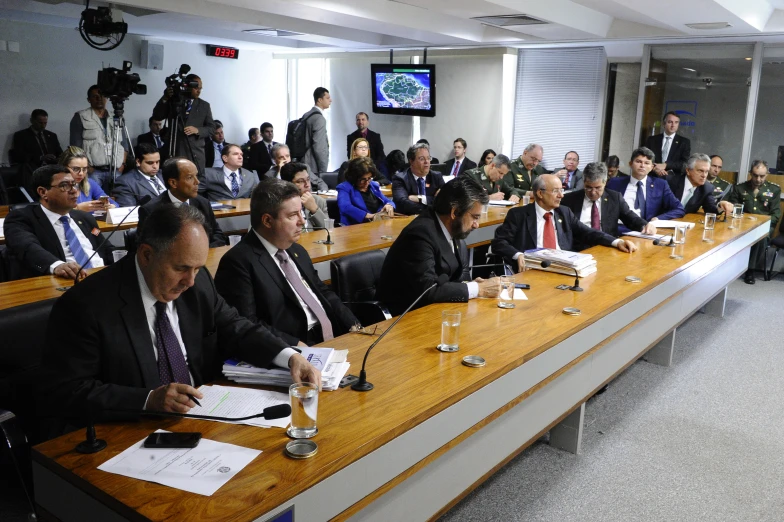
x=698 y=441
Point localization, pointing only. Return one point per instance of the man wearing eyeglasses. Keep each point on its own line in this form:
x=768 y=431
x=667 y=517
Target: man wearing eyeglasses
x=524 y=170
x=414 y=189
x=546 y=224
x=314 y=208
x=53 y=238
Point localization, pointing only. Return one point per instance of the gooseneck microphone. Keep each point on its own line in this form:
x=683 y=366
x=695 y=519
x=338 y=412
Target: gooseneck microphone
x=146 y=199
x=659 y=242
x=574 y=288
x=362 y=384
x=329 y=236
x=92 y=444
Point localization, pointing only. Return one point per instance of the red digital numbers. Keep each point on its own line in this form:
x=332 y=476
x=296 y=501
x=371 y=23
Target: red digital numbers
x=218 y=51
x=222 y=52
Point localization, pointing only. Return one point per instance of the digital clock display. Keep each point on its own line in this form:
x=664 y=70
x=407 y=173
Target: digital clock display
x=223 y=52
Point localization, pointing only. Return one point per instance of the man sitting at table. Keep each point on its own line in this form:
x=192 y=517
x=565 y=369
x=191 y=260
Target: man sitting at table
x=53 y=238
x=601 y=209
x=144 y=180
x=270 y=278
x=152 y=329
x=492 y=177
x=229 y=181
x=181 y=177
x=546 y=224
x=433 y=245
x=314 y=207
x=693 y=190
x=414 y=189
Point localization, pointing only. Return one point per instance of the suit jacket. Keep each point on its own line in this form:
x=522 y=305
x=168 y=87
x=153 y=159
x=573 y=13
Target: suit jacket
x=680 y=150
x=316 y=141
x=209 y=154
x=107 y=360
x=576 y=181
x=659 y=199
x=33 y=244
x=250 y=280
x=27 y=149
x=147 y=137
x=404 y=184
x=417 y=258
x=701 y=197
x=214 y=188
x=132 y=186
x=217 y=238
x=518 y=232
x=259 y=158
x=316 y=182
x=376 y=147
x=200 y=117
x=612 y=208
x=352 y=206
x=465 y=165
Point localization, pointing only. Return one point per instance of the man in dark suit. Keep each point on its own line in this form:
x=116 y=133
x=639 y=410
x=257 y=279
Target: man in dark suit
x=261 y=153
x=181 y=178
x=413 y=189
x=230 y=181
x=546 y=224
x=144 y=180
x=693 y=190
x=571 y=176
x=601 y=209
x=433 y=246
x=154 y=136
x=152 y=329
x=53 y=238
x=649 y=197
x=316 y=140
x=36 y=146
x=271 y=280
x=213 y=147
x=373 y=138
x=460 y=163
x=198 y=122
x=671 y=151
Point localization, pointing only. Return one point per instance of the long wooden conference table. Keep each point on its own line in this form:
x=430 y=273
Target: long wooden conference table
x=432 y=429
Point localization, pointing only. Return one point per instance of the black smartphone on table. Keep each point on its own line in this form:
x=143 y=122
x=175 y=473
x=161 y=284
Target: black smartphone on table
x=173 y=440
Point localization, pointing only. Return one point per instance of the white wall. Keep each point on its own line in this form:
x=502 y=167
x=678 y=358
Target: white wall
x=627 y=88
x=55 y=68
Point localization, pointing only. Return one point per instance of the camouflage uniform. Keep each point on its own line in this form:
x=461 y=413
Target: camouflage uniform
x=519 y=178
x=478 y=175
x=719 y=185
x=767 y=202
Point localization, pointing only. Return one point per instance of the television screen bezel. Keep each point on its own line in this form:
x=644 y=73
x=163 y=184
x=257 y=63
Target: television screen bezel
x=388 y=67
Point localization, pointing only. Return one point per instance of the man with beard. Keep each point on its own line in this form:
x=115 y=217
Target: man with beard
x=433 y=245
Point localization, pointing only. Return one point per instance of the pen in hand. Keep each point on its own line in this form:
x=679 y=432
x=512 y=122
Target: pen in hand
x=194 y=399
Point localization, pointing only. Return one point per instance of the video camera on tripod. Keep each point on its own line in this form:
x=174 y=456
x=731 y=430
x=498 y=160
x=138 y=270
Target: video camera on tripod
x=179 y=86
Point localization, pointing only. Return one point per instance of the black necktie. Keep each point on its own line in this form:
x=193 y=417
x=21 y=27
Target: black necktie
x=42 y=142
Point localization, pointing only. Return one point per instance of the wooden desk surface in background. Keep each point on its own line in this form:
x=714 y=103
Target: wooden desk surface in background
x=411 y=387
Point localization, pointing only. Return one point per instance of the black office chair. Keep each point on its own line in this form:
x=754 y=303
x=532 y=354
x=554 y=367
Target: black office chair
x=17 y=196
x=333 y=212
x=4 y=272
x=354 y=280
x=130 y=240
x=15 y=458
x=330 y=178
x=776 y=243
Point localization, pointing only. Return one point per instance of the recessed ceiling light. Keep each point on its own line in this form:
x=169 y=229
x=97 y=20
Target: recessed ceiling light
x=748 y=59
x=709 y=26
x=689 y=69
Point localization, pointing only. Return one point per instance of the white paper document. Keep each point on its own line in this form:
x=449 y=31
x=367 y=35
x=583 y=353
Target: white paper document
x=115 y=215
x=228 y=401
x=668 y=223
x=519 y=295
x=660 y=237
x=500 y=203
x=203 y=469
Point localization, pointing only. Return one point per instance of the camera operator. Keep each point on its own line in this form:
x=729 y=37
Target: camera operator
x=196 y=123
x=92 y=130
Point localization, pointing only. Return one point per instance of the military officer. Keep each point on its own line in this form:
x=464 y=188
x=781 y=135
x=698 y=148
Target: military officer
x=493 y=178
x=719 y=184
x=524 y=170
x=758 y=196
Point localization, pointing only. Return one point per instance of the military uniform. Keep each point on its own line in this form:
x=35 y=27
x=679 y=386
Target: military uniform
x=520 y=178
x=719 y=185
x=767 y=202
x=491 y=187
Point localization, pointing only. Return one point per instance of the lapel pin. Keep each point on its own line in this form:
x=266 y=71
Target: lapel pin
x=295 y=254
x=79 y=222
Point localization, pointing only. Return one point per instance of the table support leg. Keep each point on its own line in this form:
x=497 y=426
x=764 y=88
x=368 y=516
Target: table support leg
x=661 y=352
x=715 y=306
x=568 y=434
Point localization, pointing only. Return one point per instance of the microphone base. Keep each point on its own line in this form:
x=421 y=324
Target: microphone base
x=362 y=386
x=576 y=288
x=324 y=242
x=88 y=447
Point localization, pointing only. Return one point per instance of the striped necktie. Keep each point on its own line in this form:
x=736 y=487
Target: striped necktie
x=73 y=243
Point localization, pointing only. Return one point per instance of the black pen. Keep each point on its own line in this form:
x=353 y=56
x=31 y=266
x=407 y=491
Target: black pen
x=194 y=399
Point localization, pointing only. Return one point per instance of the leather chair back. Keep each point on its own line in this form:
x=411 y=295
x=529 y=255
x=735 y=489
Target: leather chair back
x=333 y=211
x=330 y=178
x=354 y=277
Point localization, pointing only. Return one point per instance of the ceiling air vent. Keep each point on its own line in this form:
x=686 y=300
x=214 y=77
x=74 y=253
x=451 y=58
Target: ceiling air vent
x=509 y=20
x=269 y=31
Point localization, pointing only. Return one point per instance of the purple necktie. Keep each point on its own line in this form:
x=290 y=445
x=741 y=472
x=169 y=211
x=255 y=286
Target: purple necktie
x=595 y=224
x=293 y=277
x=171 y=362
x=456 y=169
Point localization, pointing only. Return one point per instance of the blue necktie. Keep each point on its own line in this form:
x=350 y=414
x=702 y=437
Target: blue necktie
x=171 y=362
x=73 y=243
x=421 y=185
x=188 y=108
x=639 y=201
x=158 y=142
x=235 y=188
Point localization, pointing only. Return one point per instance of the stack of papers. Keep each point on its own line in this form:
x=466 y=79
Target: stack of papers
x=331 y=192
x=661 y=237
x=563 y=261
x=228 y=401
x=332 y=364
x=500 y=203
x=668 y=223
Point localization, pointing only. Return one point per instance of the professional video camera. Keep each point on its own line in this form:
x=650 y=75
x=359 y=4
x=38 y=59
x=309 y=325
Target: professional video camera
x=176 y=82
x=120 y=84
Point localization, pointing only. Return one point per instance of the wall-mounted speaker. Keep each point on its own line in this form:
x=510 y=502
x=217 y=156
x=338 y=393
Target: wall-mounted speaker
x=152 y=55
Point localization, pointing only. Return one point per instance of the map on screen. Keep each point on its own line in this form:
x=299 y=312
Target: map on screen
x=403 y=88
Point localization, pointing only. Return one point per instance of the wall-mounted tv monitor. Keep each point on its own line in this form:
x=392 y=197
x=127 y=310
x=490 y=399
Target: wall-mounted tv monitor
x=404 y=89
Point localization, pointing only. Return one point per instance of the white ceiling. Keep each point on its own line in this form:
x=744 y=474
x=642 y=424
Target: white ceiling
x=332 y=25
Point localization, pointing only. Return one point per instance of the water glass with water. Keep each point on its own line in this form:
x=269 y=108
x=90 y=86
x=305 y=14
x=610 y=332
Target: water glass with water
x=737 y=211
x=679 y=235
x=450 y=330
x=506 y=297
x=485 y=208
x=707 y=235
x=526 y=200
x=710 y=221
x=304 y=409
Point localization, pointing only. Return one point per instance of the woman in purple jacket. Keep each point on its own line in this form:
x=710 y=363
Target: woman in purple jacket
x=359 y=197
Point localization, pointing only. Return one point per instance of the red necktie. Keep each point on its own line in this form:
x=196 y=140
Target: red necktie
x=456 y=169
x=549 y=231
x=595 y=224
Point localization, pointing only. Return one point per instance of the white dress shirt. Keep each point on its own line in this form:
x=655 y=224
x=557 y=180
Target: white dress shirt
x=540 y=222
x=227 y=177
x=174 y=199
x=473 y=286
x=59 y=229
x=585 y=214
x=631 y=193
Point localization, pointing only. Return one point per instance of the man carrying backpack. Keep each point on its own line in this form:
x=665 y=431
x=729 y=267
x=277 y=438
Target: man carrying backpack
x=307 y=137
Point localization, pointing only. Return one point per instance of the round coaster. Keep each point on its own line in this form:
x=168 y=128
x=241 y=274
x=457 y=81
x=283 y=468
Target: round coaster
x=675 y=256
x=388 y=238
x=301 y=449
x=503 y=304
x=571 y=311
x=473 y=361
x=633 y=279
x=445 y=348
x=288 y=432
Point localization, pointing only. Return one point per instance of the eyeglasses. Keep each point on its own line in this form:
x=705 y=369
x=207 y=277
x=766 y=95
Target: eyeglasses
x=362 y=147
x=363 y=180
x=302 y=181
x=555 y=191
x=77 y=170
x=65 y=186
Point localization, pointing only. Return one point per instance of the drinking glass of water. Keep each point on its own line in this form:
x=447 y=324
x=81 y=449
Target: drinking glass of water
x=304 y=409
x=450 y=330
x=506 y=297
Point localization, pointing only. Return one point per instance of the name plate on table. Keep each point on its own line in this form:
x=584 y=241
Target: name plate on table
x=115 y=215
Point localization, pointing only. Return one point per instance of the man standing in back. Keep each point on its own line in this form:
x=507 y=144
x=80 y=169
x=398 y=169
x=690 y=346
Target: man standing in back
x=261 y=152
x=460 y=163
x=316 y=140
x=671 y=151
x=373 y=138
